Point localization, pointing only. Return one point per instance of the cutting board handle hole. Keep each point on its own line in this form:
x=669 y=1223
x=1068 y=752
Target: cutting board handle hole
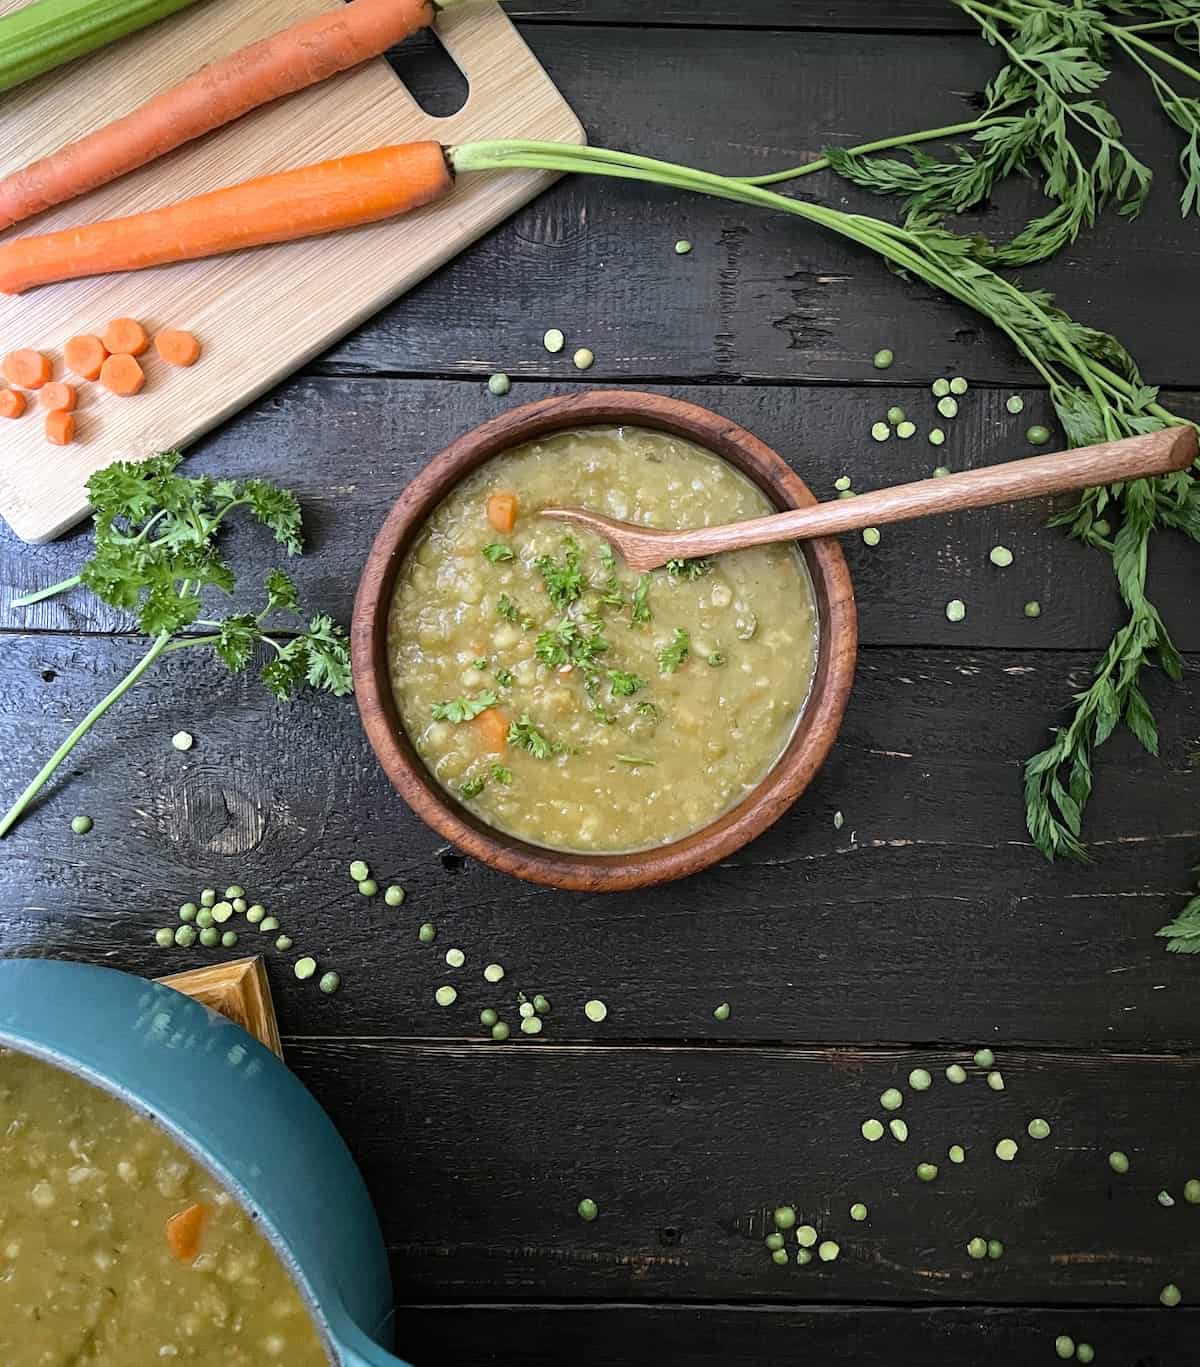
x=434 y=79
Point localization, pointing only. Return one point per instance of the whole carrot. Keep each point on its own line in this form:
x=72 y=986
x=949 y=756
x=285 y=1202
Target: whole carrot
x=321 y=198
x=295 y=57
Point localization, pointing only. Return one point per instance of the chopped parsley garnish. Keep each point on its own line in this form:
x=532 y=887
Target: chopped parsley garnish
x=689 y=569
x=716 y=658
x=480 y=664
x=462 y=709
x=566 y=644
x=498 y=552
x=506 y=608
x=670 y=657
x=609 y=589
x=646 y=708
x=563 y=579
x=501 y=774
x=473 y=787
x=635 y=759
x=504 y=678
x=525 y=736
x=601 y=713
x=624 y=685
x=640 y=603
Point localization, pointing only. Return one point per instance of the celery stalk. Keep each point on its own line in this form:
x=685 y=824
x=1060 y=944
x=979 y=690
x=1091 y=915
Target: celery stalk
x=48 y=33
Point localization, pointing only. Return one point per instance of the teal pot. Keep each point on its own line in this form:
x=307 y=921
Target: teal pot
x=238 y=1109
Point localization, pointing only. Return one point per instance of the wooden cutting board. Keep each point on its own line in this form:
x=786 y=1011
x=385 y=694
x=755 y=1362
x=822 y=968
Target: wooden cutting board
x=259 y=314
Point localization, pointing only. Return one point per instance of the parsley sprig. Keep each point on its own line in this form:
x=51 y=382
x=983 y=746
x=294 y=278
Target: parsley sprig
x=156 y=552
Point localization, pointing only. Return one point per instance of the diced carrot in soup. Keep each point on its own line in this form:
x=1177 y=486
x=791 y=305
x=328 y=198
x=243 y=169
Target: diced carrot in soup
x=491 y=726
x=502 y=511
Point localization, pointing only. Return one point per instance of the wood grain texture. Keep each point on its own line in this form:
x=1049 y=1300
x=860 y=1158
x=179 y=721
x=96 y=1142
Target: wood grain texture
x=837 y=630
x=627 y=1335
x=927 y=916
x=924 y=924
x=1057 y=472
x=866 y=15
x=517 y=1134
x=258 y=314
x=239 y=989
x=761 y=297
x=349 y=447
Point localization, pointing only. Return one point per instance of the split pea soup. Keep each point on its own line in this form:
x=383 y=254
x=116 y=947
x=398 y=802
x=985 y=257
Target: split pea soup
x=117 y=1249
x=570 y=702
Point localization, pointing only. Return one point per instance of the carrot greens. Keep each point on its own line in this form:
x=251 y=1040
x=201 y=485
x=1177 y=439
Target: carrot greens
x=156 y=551
x=1097 y=392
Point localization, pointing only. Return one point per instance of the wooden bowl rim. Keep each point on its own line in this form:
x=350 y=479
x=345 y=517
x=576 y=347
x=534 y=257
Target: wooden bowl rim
x=796 y=767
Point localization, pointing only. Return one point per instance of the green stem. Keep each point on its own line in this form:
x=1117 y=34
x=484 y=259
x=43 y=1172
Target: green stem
x=1125 y=37
x=1153 y=24
x=18 y=808
x=26 y=599
x=896 y=244
x=951 y=130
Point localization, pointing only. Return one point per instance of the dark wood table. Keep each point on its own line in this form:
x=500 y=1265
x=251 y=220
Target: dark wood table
x=924 y=927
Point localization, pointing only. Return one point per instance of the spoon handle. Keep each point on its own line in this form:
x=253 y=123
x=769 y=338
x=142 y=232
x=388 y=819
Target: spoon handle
x=1111 y=462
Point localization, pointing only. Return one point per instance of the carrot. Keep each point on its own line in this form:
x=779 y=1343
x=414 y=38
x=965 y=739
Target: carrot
x=491 y=730
x=57 y=396
x=328 y=195
x=176 y=347
x=185 y=1230
x=85 y=355
x=29 y=369
x=502 y=511
x=289 y=60
x=12 y=403
x=122 y=375
x=125 y=337
x=60 y=427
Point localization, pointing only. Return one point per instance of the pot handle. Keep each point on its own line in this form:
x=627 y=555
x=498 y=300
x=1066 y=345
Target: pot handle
x=355 y=1349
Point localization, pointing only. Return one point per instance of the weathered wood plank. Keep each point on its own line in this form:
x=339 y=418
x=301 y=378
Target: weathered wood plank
x=348 y=448
x=764 y=296
x=482 y=1152
x=868 y=15
x=740 y=1336
x=927 y=916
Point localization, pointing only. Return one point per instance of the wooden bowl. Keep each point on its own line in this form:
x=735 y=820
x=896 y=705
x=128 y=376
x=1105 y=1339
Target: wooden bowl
x=792 y=773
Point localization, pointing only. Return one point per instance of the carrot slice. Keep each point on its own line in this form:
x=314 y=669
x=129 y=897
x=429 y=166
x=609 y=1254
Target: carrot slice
x=502 y=511
x=28 y=368
x=60 y=427
x=291 y=59
x=122 y=375
x=126 y=337
x=57 y=395
x=343 y=193
x=491 y=729
x=185 y=1231
x=12 y=403
x=177 y=347
x=85 y=355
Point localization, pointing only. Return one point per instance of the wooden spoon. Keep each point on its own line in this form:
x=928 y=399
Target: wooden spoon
x=1157 y=453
